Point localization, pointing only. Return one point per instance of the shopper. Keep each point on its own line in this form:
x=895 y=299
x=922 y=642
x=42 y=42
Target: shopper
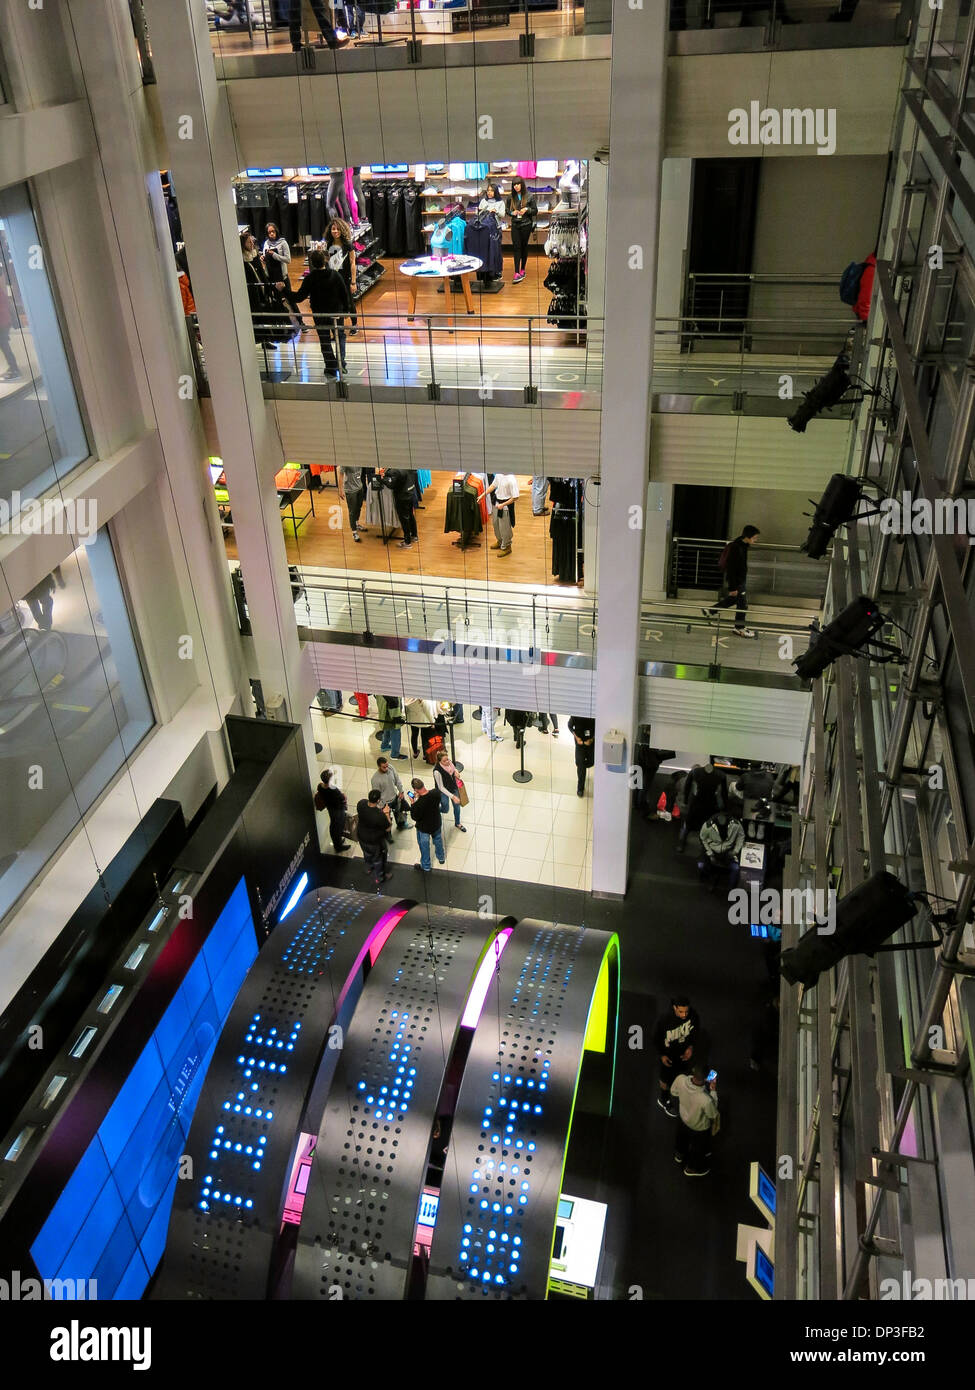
x=390 y=724
x=277 y=256
x=185 y=288
x=355 y=21
x=400 y=483
x=505 y=489
x=493 y=201
x=392 y=797
x=40 y=601
x=668 y=803
x=268 y=311
x=518 y=719
x=332 y=799
x=697 y=1103
x=13 y=372
x=489 y=716
x=329 y=35
x=353 y=489
x=733 y=592
x=674 y=1036
x=329 y=300
x=584 y=733
x=704 y=792
x=539 y=496
x=372 y=829
x=447 y=781
x=425 y=811
x=722 y=837
x=341 y=257
x=420 y=715
x=542 y=720
x=523 y=211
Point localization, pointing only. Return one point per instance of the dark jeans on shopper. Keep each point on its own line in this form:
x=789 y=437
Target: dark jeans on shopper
x=336 y=828
x=737 y=601
x=354 y=501
x=376 y=857
x=446 y=804
x=326 y=337
x=321 y=17
x=520 y=237
x=407 y=521
x=693 y=1145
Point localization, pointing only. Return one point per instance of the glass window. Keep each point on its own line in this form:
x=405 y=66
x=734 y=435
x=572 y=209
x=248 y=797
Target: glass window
x=40 y=424
x=73 y=706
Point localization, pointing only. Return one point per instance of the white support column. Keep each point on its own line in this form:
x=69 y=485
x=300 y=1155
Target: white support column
x=113 y=87
x=640 y=43
x=200 y=141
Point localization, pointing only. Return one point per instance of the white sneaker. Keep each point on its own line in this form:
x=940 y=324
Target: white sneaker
x=743 y=632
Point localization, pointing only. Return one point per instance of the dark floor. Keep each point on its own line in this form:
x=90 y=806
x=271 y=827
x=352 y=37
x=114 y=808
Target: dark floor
x=669 y=1236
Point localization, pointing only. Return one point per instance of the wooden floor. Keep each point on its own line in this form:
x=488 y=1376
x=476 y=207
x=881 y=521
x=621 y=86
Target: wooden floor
x=320 y=543
x=383 y=309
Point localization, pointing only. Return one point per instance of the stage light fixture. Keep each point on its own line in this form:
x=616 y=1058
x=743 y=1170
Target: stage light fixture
x=848 y=634
x=829 y=390
x=836 y=507
x=865 y=919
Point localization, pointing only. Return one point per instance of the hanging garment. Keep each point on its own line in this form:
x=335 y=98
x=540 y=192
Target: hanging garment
x=455 y=172
x=476 y=171
x=412 y=220
x=350 y=200
x=380 y=507
x=424 y=478
x=483 y=240
x=527 y=168
x=395 y=219
x=547 y=169
x=566 y=528
x=463 y=511
x=379 y=216
x=316 y=225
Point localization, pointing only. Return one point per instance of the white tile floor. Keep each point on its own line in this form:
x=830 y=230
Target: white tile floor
x=538 y=832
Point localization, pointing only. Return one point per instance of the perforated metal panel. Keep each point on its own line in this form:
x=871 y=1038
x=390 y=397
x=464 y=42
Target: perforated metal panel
x=226 y=1217
x=363 y=1195
x=493 y=1237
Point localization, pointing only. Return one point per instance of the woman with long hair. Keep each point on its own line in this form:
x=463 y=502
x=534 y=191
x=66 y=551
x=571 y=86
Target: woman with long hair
x=447 y=781
x=493 y=201
x=340 y=251
x=269 y=324
x=523 y=211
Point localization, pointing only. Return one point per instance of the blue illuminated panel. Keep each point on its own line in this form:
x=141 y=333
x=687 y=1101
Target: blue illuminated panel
x=109 y=1223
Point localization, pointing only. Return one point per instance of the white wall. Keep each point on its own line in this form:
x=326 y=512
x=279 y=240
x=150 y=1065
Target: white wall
x=675 y=222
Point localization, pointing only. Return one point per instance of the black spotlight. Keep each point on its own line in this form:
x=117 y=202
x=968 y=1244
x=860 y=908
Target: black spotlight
x=836 y=507
x=829 y=390
x=865 y=919
x=846 y=635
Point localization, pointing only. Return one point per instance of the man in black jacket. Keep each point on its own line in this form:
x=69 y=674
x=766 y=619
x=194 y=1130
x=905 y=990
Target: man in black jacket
x=736 y=581
x=330 y=301
x=373 y=825
x=583 y=732
x=425 y=811
x=675 y=1037
x=332 y=799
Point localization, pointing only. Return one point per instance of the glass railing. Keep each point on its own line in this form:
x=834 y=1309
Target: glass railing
x=779 y=572
x=446 y=619
x=493 y=354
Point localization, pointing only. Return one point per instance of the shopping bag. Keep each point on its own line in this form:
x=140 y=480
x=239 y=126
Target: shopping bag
x=462 y=793
x=320 y=802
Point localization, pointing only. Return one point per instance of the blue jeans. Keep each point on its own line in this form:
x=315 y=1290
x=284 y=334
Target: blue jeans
x=539 y=494
x=390 y=741
x=423 y=838
x=445 y=805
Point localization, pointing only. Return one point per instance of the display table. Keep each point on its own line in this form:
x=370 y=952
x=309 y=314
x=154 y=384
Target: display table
x=431 y=268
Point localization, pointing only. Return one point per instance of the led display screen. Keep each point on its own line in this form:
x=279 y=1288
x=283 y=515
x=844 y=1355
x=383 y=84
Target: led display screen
x=110 y=1222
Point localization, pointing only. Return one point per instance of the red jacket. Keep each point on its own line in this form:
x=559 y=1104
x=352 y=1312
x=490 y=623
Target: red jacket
x=862 y=307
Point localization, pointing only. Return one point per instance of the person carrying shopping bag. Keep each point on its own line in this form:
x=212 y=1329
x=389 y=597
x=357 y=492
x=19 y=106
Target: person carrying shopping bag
x=451 y=788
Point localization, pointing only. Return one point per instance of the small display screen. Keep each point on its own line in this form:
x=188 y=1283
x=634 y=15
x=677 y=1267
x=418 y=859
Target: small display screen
x=766 y=1191
x=301 y=1182
x=565 y=1209
x=263 y=173
x=764 y=1271
x=389 y=168
x=316 y=170
x=429 y=1206
x=559 y=1243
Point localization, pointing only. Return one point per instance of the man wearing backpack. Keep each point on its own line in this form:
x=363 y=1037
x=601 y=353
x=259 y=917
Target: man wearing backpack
x=734 y=562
